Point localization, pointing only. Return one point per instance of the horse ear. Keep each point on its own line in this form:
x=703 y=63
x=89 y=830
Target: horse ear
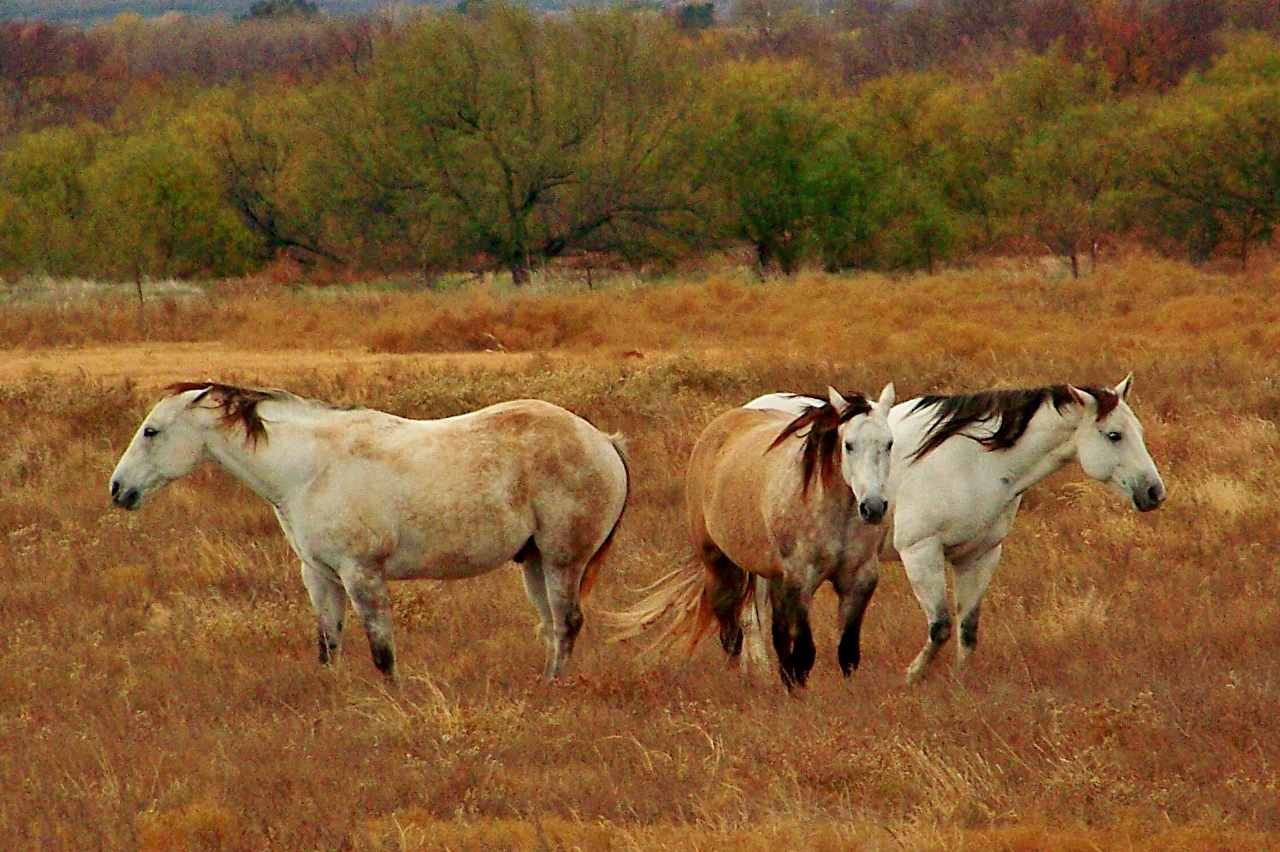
x=887 y=397
x=838 y=402
x=1122 y=389
x=1083 y=398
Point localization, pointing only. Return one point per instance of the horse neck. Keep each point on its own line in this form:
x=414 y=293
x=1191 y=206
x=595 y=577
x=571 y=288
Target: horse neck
x=1048 y=444
x=820 y=496
x=273 y=467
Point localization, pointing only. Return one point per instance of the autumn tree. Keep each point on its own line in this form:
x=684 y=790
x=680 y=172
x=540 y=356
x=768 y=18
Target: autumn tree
x=52 y=75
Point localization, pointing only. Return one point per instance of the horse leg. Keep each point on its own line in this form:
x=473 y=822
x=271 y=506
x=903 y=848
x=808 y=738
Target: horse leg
x=926 y=568
x=971 y=580
x=726 y=586
x=855 y=588
x=561 y=584
x=368 y=593
x=326 y=592
x=535 y=587
x=792 y=638
x=755 y=620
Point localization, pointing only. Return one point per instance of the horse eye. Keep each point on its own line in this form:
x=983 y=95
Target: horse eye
x=149 y=432
x=1114 y=437
x=848 y=446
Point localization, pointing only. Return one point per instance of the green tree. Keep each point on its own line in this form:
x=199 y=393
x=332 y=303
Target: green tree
x=694 y=16
x=853 y=199
x=765 y=156
x=515 y=138
x=1073 y=179
x=275 y=9
x=1250 y=59
x=260 y=147
x=159 y=211
x=44 y=218
x=922 y=165
x=979 y=130
x=1213 y=161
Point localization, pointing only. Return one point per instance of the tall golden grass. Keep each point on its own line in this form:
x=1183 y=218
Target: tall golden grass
x=158 y=682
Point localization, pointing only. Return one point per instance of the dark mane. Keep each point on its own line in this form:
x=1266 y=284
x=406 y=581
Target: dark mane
x=822 y=438
x=238 y=405
x=1011 y=409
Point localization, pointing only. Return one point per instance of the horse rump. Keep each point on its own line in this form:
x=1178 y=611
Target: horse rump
x=592 y=572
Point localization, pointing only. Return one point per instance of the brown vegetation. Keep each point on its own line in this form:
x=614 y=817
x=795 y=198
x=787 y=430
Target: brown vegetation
x=158 y=682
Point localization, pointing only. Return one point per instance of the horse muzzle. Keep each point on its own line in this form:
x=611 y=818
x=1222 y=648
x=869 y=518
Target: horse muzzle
x=1150 y=497
x=872 y=509
x=129 y=498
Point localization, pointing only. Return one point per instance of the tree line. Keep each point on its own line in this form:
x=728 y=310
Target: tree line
x=499 y=138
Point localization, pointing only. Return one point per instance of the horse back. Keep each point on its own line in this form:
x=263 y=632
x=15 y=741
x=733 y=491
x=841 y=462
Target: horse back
x=543 y=447
x=471 y=491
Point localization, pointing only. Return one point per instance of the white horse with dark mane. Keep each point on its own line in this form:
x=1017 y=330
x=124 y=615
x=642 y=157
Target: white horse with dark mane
x=365 y=497
x=960 y=466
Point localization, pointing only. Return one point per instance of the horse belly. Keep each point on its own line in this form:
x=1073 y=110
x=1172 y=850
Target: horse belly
x=738 y=529
x=957 y=505
x=458 y=551
x=410 y=533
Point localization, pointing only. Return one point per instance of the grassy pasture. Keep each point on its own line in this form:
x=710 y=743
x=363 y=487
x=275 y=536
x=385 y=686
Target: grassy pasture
x=158 y=682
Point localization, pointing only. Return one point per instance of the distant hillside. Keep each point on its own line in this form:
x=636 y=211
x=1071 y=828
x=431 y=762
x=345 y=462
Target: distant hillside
x=92 y=11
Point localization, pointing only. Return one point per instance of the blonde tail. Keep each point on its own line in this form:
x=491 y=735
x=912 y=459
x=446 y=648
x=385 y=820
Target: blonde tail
x=684 y=592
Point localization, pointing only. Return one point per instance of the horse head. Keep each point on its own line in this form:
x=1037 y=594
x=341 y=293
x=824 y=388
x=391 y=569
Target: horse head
x=866 y=443
x=168 y=445
x=1111 y=449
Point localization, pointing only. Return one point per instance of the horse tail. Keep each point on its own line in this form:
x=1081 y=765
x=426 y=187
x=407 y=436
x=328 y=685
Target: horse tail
x=592 y=571
x=684 y=592
x=687 y=593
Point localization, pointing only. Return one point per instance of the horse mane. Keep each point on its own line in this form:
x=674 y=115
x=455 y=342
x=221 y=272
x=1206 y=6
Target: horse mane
x=239 y=405
x=821 y=441
x=1012 y=408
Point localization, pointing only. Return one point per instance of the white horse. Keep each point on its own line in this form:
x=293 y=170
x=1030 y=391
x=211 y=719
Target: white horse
x=364 y=497
x=793 y=501
x=960 y=466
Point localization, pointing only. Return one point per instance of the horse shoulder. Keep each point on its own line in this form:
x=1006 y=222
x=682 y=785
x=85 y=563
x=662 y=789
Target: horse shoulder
x=341 y=515
x=952 y=495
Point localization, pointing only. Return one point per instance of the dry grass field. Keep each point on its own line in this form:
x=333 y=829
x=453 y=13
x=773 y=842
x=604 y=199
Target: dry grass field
x=158 y=682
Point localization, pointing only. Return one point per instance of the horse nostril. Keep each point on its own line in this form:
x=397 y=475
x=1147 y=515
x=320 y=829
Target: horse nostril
x=1150 y=498
x=115 y=488
x=872 y=510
